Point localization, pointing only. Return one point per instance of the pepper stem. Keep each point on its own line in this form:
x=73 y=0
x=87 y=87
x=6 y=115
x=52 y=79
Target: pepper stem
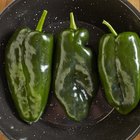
x=41 y=21
x=110 y=27
x=72 y=22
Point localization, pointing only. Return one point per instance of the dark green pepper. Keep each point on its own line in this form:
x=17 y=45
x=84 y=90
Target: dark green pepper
x=28 y=70
x=75 y=82
x=119 y=68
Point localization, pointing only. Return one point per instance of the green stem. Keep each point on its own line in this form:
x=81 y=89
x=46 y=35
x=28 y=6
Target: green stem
x=72 y=22
x=110 y=27
x=41 y=21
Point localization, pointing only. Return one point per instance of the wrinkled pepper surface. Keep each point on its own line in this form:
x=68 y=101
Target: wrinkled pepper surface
x=119 y=68
x=28 y=70
x=75 y=83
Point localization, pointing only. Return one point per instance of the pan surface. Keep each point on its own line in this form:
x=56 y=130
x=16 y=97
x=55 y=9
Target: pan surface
x=103 y=122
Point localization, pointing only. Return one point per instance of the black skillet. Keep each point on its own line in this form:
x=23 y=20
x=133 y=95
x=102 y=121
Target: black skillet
x=103 y=122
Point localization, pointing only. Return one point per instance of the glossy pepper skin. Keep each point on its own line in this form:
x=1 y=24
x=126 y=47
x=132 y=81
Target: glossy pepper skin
x=28 y=70
x=75 y=82
x=119 y=69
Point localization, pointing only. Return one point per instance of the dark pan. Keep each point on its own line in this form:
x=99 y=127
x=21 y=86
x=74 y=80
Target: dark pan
x=103 y=122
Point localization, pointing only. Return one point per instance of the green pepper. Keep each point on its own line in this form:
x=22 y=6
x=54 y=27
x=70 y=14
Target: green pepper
x=75 y=83
x=119 y=69
x=28 y=70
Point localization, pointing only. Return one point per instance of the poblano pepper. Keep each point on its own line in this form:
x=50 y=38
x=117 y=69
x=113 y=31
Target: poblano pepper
x=28 y=70
x=75 y=83
x=119 y=68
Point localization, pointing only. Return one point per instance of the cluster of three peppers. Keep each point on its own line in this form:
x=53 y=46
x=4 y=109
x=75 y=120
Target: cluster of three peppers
x=29 y=71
